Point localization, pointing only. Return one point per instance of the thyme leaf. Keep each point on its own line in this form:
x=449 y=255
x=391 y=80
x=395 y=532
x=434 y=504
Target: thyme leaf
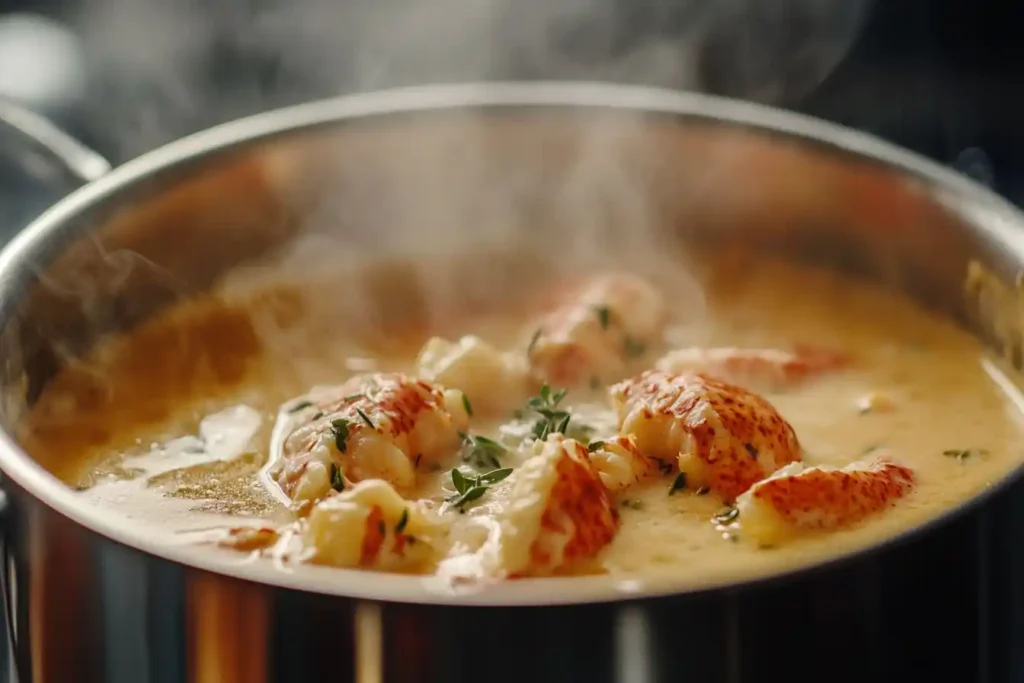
x=726 y=516
x=365 y=418
x=481 y=452
x=337 y=478
x=469 y=490
x=301 y=405
x=340 y=429
x=964 y=453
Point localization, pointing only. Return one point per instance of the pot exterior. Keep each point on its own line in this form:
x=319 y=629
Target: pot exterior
x=946 y=606
x=947 y=603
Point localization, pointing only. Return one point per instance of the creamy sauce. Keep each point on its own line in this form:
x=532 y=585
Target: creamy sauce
x=187 y=456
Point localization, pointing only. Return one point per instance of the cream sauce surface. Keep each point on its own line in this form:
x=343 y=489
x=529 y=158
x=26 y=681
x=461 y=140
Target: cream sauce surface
x=189 y=461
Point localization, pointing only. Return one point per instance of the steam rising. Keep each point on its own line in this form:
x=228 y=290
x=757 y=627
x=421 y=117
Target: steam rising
x=169 y=68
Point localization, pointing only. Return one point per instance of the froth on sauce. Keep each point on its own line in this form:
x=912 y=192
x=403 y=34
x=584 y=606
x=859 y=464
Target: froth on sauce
x=171 y=426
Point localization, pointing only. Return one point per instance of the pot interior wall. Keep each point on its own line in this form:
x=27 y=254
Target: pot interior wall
x=481 y=201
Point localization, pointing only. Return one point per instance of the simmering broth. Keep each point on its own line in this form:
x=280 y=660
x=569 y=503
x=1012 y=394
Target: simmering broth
x=184 y=426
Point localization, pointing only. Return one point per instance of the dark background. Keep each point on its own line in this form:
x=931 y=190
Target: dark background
x=938 y=76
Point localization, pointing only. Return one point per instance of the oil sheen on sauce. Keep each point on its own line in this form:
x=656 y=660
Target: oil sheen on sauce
x=183 y=457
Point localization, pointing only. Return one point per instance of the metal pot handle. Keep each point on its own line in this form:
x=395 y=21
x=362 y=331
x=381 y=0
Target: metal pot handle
x=75 y=165
x=78 y=163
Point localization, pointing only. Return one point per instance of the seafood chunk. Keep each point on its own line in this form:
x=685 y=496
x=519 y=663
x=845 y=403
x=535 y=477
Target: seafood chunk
x=370 y=526
x=800 y=498
x=767 y=369
x=558 y=513
x=378 y=426
x=593 y=337
x=620 y=463
x=721 y=435
x=494 y=381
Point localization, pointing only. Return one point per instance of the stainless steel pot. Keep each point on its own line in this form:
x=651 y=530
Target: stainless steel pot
x=92 y=598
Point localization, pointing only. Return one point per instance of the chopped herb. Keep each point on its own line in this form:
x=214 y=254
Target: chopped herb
x=871 y=449
x=603 y=316
x=595 y=446
x=337 y=478
x=964 y=453
x=678 y=484
x=403 y=521
x=340 y=429
x=318 y=415
x=751 y=449
x=460 y=501
x=633 y=504
x=727 y=516
x=459 y=481
x=703 y=491
x=467 y=405
x=301 y=405
x=469 y=490
x=552 y=417
x=481 y=452
x=633 y=348
x=563 y=425
x=352 y=397
x=382 y=528
x=367 y=420
x=533 y=342
x=494 y=476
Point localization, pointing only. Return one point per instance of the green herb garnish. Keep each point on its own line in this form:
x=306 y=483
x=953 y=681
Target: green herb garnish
x=301 y=405
x=467 y=405
x=964 y=453
x=481 y=452
x=552 y=418
x=751 y=449
x=337 y=478
x=340 y=429
x=563 y=424
x=678 y=484
x=352 y=397
x=595 y=446
x=533 y=342
x=364 y=418
x=403 y=521
x=603 y=316
x=727 y=516
x=468 y=490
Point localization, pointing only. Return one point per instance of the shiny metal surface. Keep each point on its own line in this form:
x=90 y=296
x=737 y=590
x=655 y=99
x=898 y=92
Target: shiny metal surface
x=714 y=172
x=78 y=161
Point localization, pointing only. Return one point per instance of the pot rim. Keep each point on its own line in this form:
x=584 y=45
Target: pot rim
x=1001 y=220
